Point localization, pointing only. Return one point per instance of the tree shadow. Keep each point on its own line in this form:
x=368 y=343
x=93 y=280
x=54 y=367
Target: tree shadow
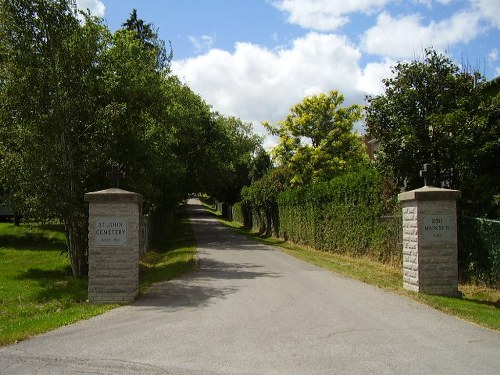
x=495 y=304
x=175 y=295
x=210 y=281
x=32 y=241
x=154 y=271
x=58 y=284
x=200 y=288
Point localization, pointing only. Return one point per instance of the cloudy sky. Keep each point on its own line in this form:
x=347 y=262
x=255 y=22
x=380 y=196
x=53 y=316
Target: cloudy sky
x=254 y=59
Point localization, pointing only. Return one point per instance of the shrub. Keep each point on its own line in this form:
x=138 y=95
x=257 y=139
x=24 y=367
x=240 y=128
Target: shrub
x=344 y=215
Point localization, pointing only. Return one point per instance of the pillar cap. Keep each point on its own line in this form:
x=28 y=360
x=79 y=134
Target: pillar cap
x=429 y=193
x=113 y=195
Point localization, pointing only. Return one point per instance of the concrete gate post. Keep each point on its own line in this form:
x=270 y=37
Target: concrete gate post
x=430 y=257
x=114 y=217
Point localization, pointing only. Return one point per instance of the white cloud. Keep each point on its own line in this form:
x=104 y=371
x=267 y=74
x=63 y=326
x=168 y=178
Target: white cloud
x=493 y=58
x=406 y=37
x=202 y=43
x=429 y=3
x=96 y=7
x=490 y=10
x=257 y=84
x=493 y=55
x=372 y=76
x=325 y=15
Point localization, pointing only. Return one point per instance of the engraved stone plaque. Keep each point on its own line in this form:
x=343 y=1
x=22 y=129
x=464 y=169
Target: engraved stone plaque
x=110 y=231
x=436 y=228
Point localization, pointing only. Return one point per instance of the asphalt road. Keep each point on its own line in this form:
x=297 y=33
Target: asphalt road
x=250 y=309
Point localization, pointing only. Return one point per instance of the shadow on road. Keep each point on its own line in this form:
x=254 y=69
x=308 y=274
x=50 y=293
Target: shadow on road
x=202 y=287
x=213 y=277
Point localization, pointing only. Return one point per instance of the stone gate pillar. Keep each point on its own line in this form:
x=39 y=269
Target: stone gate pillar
x=430 y=257
x=114 y=216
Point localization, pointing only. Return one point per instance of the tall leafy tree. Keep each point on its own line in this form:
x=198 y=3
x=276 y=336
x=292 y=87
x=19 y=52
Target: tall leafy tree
x=134 y=94
x=143 y=31
x=51 y=123
x=481 y=185
x=261 y=163
x=234 y=155
x=316 y=140
x=261 y=197
x=75 y=99
x=427 y=115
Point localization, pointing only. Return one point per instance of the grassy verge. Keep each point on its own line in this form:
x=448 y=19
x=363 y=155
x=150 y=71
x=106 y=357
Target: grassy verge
x=479 y=304
x=173 y=255
x=38 y=292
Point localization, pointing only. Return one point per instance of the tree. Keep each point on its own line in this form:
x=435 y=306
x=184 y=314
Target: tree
x=481 y=188
x=51 y=123
x=76 y=99
x=427 y=115
x=316 y=140
x=223 y=162
x=134 y=94
x=149 y=38
x=261 y=196
x=261 y=163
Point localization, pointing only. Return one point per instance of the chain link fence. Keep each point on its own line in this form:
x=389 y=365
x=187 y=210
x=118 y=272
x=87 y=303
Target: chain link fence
x=479 y=250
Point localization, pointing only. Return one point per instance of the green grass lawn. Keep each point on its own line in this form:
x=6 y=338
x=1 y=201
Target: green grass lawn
x=172 y=256
x=38 y=291
x=479 y=304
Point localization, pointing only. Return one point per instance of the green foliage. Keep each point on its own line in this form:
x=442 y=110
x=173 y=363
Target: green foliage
x=242 y=213
x=50 y=120
x=479 y=251
x=148 y=37
x=261 y=199
x=261 y=163
x=38 y=292
x=138 y=98
x=232 y=157
x=424 y=111
x=343 y=216
x=432 y=112
x=481 y=191
x=77 y=99
x=316 y=141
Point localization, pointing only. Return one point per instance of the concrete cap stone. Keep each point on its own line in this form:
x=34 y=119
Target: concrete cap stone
x=113 y=195
x=429 y=193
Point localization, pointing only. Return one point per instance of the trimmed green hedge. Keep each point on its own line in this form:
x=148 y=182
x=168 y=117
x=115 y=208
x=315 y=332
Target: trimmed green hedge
x=242 y=213
x=356 y=214
x=346 y=215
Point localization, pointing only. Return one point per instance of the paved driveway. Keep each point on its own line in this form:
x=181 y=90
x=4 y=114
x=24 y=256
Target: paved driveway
x=250 y=309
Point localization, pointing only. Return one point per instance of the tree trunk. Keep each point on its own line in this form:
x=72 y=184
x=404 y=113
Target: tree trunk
x=77 y=248
x=17 y=219
x=269 y=228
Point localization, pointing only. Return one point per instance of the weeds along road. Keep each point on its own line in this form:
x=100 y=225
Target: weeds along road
x=250 y=309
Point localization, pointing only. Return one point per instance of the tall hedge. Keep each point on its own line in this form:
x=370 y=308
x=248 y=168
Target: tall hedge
x=348 y=215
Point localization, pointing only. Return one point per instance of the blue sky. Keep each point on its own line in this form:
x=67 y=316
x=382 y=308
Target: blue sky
x=254 y=59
